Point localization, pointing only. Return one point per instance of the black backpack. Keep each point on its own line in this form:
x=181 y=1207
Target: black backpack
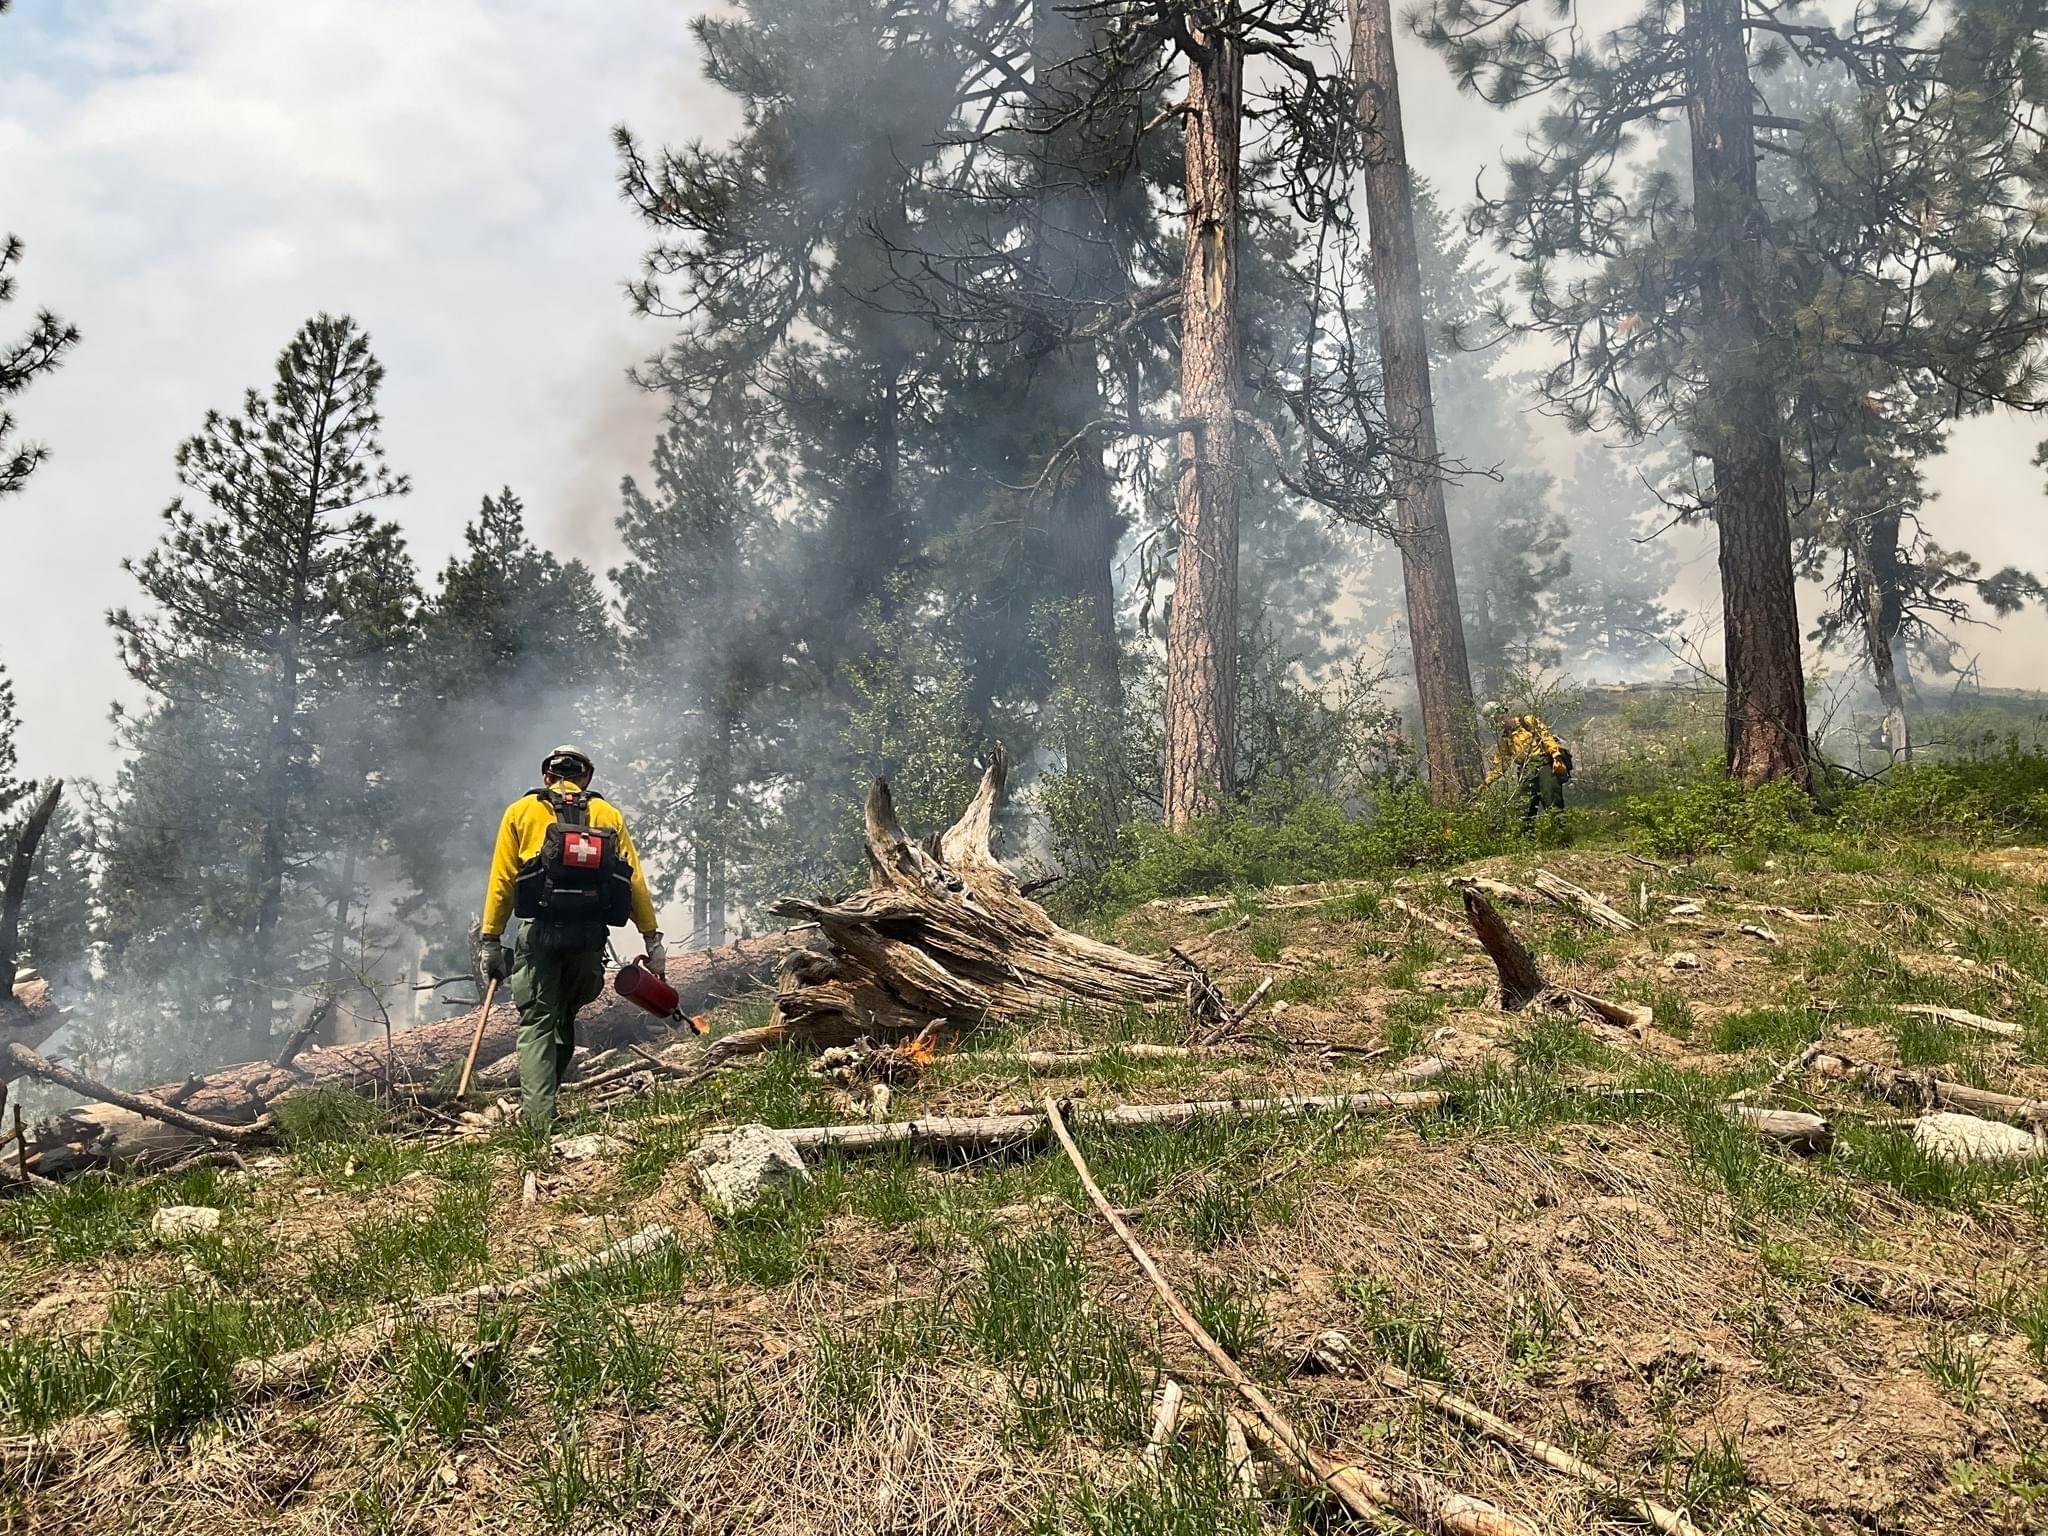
x=579 y=875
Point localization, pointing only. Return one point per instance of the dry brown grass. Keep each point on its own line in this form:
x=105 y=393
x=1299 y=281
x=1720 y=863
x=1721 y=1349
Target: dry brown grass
x=1830 y=1347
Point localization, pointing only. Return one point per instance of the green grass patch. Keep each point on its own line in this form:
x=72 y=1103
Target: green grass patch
x=443 y=1384
x=1401 y=1331
x=393 y=1255
x=97 y=1214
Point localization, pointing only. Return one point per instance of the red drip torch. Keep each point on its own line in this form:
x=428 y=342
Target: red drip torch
x=640 y=986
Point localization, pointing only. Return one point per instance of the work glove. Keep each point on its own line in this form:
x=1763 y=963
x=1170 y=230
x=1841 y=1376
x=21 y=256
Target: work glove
x=492 y=963
x=656 y=957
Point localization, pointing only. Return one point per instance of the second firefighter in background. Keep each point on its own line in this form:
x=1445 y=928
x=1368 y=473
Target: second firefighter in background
x=1528 y=748
x=566 y=865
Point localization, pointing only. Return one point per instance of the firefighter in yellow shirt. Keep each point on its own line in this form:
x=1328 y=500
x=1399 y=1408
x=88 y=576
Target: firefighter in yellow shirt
x=566 y=864
x=1542 y=764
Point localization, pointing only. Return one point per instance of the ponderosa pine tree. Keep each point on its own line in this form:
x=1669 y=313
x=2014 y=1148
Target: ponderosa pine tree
x=270 y=611
x=1686 y=310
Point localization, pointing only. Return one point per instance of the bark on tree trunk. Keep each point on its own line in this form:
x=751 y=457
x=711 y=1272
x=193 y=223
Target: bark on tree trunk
x=1883 y=618
x=942 y=935
x=1201 y=640
x=1436 y=633
x=1760 y=612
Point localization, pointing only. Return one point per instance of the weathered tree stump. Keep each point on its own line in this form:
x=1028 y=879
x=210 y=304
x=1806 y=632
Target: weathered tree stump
x=943 y=935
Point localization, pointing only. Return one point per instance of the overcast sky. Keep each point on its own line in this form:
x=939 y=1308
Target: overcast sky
x=194 y=178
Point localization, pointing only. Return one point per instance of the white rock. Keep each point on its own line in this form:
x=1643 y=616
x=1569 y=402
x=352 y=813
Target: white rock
x=1967 y=1139
x=175 y=1223
x=1684 y=960
x=581 y=1149
x=736 y=1170
x=1686 y=909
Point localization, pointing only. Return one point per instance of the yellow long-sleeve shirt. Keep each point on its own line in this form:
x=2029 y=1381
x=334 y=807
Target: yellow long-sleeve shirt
x=1525 y=739
x=520 y=836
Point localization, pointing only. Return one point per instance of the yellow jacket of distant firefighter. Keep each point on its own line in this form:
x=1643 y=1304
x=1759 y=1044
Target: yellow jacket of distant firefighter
x=520 y=836
x=1525 y=740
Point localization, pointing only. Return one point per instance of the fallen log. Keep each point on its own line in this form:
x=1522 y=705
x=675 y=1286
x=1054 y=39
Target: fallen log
x=273 y=1373
x=1923 y=1090
x=34 y=1064
x=104 y=1136
x=943 y=932
x=1420 y=1500
x=981 y=1133
x=1582 y=901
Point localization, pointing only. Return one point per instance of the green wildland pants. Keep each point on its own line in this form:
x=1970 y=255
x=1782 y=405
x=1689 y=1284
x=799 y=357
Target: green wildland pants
x=555 y=972
x=1541 y=786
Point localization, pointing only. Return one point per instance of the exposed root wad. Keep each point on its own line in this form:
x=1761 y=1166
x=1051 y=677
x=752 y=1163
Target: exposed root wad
x=943 y=935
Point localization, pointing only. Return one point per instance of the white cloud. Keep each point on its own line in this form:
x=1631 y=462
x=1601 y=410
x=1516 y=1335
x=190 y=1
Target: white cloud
x=195 y=177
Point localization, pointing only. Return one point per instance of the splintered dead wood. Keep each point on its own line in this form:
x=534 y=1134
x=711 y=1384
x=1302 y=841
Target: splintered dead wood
x=1522 y=982
x=943 y=933
x=1420 y=1500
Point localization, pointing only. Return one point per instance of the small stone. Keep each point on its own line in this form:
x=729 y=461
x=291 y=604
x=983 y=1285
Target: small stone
x=737 y=1170
x=1684 y=960
x=175 y=1223
x=581 y=1149
x=1967 y=1139
x=1686 y=909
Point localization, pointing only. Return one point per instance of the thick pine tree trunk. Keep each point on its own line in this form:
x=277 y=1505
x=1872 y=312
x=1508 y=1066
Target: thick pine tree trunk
x=1883 y=617
x=1760 y=612
x=1436 y=634
x=1201 y=641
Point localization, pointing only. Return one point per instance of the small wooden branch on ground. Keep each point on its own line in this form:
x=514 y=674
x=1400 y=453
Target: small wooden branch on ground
x=22 y=1059
x=1457 y=936
x=273 y=1373
x=1962 y=1018
x=1923 y=1090
x=1419 y=1500
x=295 y=1368
x=1577 y=899
x=1335 y=1352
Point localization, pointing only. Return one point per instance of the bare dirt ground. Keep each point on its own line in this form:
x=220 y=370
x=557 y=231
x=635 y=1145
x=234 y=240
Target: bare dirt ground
x=1579 y=1240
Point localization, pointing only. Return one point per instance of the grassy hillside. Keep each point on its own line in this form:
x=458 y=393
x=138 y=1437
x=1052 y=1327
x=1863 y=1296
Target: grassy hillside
x=1853 y=1342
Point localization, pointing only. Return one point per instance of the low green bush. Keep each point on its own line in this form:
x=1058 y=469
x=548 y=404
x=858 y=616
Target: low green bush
x=1716 y=814
x=2000 y=796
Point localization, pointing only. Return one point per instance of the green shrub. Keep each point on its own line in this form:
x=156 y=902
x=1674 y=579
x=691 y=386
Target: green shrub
x=2001 y=796
x=1715 y=814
